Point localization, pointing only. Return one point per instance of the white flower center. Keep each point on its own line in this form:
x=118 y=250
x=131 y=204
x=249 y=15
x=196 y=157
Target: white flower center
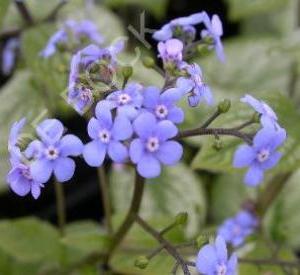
x=86 y=94
x=124 y=99
x=152 y=144
x=161 y=111
x=263 y=155
x=104 y=136
x=221 y=269
x=51 y=153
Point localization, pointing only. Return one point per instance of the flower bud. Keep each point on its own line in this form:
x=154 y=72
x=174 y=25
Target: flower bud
x=218 y=144
x=224 y=106
x=181 y=218
x=148 y=62
x=127 y=71
x=141 y=262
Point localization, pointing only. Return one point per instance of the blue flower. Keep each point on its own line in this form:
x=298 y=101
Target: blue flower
x=9 y=55
x=152 y=146
x=51 y=153
x=171 y=51
x=236 y=229
x=268 y=116
x=261 y=156
x=182 y=25
x=20 y=178
x=107 y=136
x=212 y=259
x=14 y=134
x=214 y=30
x=194 y=86
x=127 y=101
x=75 y=32
x=163 y=105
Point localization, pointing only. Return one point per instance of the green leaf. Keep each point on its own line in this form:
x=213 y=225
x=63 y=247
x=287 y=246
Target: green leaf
x=17 y=99
x=162 y=194
x=86 y=237
x=156 y=7
x=3 y=8
x=227 y=194
x=247 y=8
x=38 y=9
x=29 y=241
x=261 y=250
x=282 y=221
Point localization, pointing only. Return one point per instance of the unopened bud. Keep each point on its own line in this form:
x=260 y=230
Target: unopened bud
x=127 y=71
x=141 y=262
x=218 y=144
x=181 y=218
x=148 y=62
x=224 y=106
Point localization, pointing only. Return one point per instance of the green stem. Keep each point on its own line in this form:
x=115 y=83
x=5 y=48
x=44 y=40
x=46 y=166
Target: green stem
x=130 y=217
x=104 y=188
x=60 y=207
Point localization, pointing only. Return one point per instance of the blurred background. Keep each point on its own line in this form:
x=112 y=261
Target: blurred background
x=262 y=46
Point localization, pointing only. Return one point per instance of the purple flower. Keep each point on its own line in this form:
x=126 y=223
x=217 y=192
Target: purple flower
x=153 y=147
x=212 y=259
x=171 y=51
x=180 y=27
x=214 y=31
x=107 y=136
x=20 y=179
x=9 y=55
x=60 y=37
x=163 y=105
x=15 y=133
x=261 y=156
x=234 y=230
x=72 y=31
x=127 y=101
x=268 y=116
x=51 y=153
x=194 y=86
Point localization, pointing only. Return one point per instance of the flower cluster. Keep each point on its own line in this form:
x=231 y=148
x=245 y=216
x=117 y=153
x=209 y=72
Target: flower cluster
x=138 y=124
x=74 y=32
x=236 y=229
x=32 y=167
x=184 y=29
x=262 y=154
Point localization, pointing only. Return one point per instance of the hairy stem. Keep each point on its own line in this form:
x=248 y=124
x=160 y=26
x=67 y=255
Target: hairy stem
x=214 y=132
x=60 y=206
x=130 y=217
x=104 y=188
x=168 y=246
x=210 y=119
